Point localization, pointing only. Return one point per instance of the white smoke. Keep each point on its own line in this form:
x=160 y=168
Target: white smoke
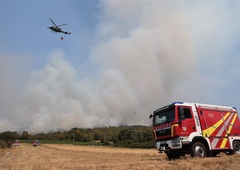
x=147 y=53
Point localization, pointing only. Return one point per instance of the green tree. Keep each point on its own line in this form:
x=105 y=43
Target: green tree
x=88 y=137
x=97 y=135
x=9 y=136
x=25 y=135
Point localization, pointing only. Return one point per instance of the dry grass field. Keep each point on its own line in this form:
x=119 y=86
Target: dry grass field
x=54 y=157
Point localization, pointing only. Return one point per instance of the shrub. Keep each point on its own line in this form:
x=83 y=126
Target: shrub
x=3 y=144
x=9 y=144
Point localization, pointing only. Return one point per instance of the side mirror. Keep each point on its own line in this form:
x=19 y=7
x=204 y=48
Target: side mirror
x=150 y=116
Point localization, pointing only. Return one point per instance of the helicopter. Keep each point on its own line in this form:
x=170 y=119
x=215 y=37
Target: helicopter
x=56 y=28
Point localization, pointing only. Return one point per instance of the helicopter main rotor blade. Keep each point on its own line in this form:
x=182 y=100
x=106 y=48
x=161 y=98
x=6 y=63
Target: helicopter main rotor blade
x=61 y=25
x=53 y=22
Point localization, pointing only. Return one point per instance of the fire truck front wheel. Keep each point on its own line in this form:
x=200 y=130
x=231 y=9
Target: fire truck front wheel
x=198 y=150
x=173 y=156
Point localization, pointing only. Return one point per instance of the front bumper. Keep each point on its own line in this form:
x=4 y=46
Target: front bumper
x=170 y=144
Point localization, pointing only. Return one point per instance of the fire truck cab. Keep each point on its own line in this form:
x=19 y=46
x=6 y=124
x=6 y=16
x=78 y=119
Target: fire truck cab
x=197 y=129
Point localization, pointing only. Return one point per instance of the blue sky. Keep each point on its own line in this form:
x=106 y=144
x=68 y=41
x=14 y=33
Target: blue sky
x=123 y=60
x=25 y=23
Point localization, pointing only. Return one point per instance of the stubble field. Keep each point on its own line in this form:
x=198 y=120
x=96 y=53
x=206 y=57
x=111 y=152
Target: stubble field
x=54 y=157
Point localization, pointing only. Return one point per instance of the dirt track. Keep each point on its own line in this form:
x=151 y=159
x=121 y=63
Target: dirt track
x=46 y=156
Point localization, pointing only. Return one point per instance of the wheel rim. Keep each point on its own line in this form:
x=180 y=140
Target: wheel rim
x=199 y=151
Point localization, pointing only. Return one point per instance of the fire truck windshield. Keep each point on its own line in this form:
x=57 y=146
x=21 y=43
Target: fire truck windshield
x=164 y=116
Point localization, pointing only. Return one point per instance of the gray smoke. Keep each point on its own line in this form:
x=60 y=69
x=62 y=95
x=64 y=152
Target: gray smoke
x=146 y=54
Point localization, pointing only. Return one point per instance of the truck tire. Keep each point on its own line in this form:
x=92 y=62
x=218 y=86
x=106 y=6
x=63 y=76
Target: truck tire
x=236 y=147
x=198 y=150
x=173 y=156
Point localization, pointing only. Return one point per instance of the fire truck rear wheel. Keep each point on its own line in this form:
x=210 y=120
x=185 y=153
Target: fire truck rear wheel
x=236 y=147
x=198 y=150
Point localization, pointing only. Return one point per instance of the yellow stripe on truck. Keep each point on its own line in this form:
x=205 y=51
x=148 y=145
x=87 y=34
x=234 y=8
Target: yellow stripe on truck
x=154 y=134
x=211 y=129
x=223 y=144
x=172 y=128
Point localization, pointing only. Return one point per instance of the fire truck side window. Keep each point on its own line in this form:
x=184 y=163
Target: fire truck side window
x=186 y=113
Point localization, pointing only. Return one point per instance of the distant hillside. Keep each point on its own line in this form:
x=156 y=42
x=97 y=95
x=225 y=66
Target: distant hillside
x=122 y=136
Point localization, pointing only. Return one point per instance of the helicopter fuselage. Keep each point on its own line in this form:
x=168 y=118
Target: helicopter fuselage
x=56 y=29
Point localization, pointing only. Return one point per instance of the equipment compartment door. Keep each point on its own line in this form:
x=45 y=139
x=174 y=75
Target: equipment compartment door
x=217 y=123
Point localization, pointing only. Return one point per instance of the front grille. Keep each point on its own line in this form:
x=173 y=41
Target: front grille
x=163 y=132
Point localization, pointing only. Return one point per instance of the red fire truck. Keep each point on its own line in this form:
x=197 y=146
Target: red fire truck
x=197 y=129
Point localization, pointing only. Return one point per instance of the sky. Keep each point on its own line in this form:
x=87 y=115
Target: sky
x=123 y=60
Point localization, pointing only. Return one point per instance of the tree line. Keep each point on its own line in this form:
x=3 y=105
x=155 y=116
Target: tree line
x=122 y=136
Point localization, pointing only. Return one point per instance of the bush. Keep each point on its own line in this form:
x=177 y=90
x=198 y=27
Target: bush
x=3 y=144
x=9 y=144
